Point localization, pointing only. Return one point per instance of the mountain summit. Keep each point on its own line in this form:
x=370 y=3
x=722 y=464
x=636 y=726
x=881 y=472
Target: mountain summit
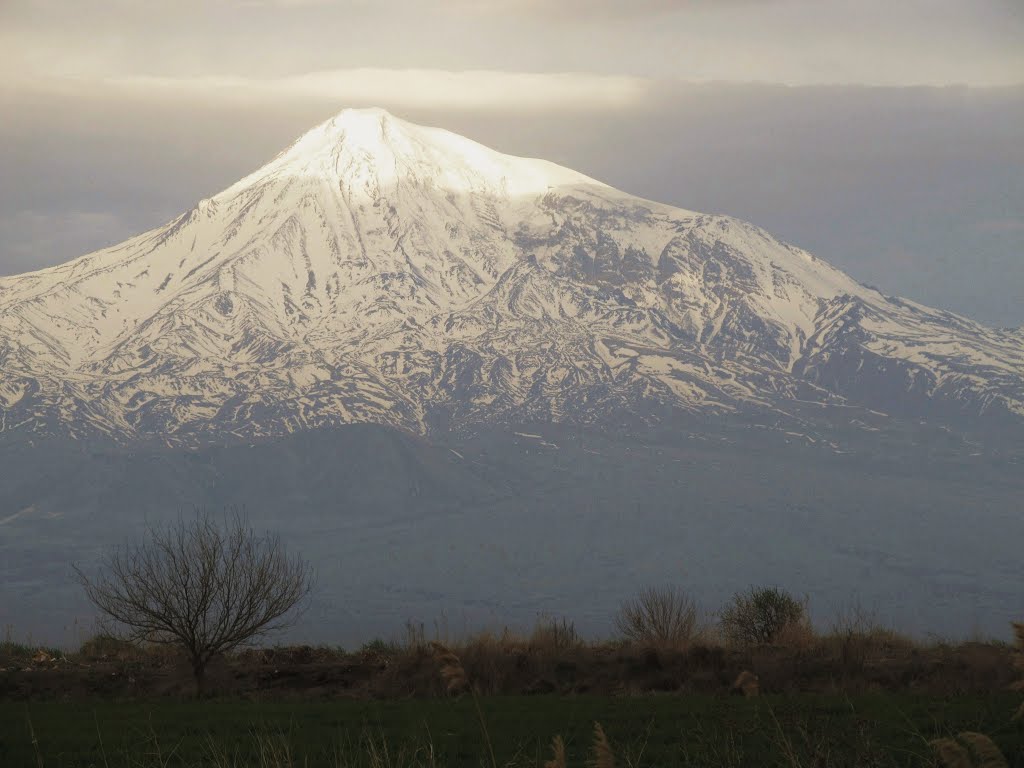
x=380 y=271
x=371 y=145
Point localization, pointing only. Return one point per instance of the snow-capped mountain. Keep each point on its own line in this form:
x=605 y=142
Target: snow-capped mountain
x=379 y=271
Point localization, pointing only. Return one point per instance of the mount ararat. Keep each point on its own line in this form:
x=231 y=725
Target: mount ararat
x=378 y=271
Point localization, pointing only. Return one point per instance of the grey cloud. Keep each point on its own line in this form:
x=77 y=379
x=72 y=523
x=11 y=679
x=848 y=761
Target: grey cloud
x=482 y=90
x=792 y=41
x=581 y=10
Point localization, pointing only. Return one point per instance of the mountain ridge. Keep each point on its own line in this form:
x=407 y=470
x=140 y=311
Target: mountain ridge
x=377 y=271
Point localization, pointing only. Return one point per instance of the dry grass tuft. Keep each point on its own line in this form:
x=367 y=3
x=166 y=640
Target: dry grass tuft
x=453 y=675
x=952 y=754
x=747 y=684
x=557 y=754
x=969 y=750
x=601 y=754
x=985 y=753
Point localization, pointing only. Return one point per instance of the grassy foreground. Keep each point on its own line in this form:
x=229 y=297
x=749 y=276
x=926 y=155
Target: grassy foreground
x=655 y=730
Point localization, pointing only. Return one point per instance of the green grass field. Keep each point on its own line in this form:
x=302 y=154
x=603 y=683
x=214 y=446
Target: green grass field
x=656 y=731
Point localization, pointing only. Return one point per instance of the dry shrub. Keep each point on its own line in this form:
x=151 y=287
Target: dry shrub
x=854 y=619
x=889 y=640
x=105 y=646
x=796 y=635
x=663 y=618
x=380 y=653
x=856 y=629
x=279 y=655
x=415 y=637
x=854 y=652
x=482 y=656
x=764 y=616
x=553 y=636
x=494 y=661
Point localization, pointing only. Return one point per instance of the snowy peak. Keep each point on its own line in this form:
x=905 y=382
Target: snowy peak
x=381 y=271
x=378 y=148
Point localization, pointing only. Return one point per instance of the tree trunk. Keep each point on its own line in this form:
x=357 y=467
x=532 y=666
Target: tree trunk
x=199 y=673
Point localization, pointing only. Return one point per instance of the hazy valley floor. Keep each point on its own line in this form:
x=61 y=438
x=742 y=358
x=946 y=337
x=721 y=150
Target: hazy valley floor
x=495 y=527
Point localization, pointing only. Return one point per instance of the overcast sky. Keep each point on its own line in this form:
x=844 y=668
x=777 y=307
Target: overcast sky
x=887 y=137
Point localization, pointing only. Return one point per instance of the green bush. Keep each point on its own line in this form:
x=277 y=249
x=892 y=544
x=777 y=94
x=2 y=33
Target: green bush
x=761 y=616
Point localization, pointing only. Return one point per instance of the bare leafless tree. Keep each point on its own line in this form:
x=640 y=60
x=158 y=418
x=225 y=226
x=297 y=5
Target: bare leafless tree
x=660 y=617
x=205 y=586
